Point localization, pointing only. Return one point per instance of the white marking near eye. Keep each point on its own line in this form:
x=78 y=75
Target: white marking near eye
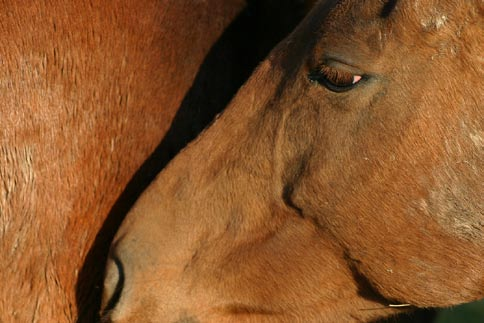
x=356 y=78
x=434 y=22
x=440 y=21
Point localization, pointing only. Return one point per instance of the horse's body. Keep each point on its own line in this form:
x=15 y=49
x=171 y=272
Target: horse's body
x=88 y=90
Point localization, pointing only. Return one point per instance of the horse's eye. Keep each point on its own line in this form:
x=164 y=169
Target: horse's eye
x=334 y=79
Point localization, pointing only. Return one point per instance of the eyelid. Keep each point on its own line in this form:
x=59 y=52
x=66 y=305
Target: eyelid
x=342 y=65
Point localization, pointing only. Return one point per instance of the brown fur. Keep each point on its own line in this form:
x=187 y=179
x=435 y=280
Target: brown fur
x=304 y=205
x=88 y=89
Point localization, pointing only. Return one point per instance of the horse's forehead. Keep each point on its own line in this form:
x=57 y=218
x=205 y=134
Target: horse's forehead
x=363 y=29
x=427 y=15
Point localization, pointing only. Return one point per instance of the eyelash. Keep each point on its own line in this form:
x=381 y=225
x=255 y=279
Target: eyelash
x=334 y=79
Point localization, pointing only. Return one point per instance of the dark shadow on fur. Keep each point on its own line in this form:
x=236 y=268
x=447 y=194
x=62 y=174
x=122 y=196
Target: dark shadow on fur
x=388 y=8
x=227 y=66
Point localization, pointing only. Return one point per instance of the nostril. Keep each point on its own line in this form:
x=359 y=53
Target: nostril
x=113 y=285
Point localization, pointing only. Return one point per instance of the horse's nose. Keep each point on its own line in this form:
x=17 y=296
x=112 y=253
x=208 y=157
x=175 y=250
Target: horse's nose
x=113 y=286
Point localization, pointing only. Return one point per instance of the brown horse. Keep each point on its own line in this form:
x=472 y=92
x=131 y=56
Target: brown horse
x=345 y=176
x=88 y=88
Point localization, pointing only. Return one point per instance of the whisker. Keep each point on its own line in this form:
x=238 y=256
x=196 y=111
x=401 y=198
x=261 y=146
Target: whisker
x=399 y=305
